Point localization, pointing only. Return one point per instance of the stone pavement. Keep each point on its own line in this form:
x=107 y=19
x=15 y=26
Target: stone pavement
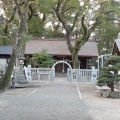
x=43 y=101
x=99 y=108
x=59 y=100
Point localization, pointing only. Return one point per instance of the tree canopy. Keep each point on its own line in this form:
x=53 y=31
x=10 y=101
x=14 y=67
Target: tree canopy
x=80 y=20
x=108 y=30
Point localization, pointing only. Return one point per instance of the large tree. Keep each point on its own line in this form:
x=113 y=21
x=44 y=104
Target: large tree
x=21 y=10
x=105 y=36
x=81 y=18
x=108 y=30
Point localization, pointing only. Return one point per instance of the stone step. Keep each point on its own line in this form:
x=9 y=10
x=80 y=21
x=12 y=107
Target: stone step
x=60 y=74
x=21 y=79
x=20 y=72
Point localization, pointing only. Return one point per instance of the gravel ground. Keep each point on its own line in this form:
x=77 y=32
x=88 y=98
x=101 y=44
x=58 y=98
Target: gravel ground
x=57 y=101
x=46 y=101
x=99 y=108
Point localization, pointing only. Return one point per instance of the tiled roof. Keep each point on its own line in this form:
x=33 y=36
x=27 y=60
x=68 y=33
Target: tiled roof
x=5 y=50
x=58 y=46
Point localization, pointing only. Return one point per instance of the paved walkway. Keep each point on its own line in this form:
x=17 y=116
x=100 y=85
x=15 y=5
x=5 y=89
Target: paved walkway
x=44 y=101
x=99 y=108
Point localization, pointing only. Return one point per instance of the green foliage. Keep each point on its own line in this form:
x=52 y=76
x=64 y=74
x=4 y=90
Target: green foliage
x=43 y=59
x=106 y=34
x=24 y=39
x=28 y=62
x=108 y=30
x=36 y=27
x=113 y=60
x=43 y=6
x=109 y=73
x=4 y=40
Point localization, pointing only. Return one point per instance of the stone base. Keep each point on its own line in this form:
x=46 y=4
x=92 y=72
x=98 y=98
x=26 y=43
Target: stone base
x=115 y=94
x=106 y=94
x=99 y=93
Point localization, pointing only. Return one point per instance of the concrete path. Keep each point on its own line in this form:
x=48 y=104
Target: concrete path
x=99 y=108
x=44 y=101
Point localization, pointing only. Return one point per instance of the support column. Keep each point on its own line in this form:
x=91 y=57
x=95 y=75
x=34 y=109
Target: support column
x=63 y=66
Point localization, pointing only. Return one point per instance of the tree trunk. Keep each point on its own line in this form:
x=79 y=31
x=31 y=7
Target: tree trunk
x=7 y=76
x=75 y=61
x=16 y=45
x=111 y=86
x=74 y=52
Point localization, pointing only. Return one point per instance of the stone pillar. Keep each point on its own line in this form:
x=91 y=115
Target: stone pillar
x=63 y=67
x=93 y=75
x=52 y=75
x=28 y=73
x=68 y=75
x=74 y=76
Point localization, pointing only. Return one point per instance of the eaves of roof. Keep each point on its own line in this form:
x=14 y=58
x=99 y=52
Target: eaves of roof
x=5 y=50
x=59 y=47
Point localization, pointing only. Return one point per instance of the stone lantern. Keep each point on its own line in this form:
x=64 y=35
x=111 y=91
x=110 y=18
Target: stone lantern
x=21 y=62
x=20 y=74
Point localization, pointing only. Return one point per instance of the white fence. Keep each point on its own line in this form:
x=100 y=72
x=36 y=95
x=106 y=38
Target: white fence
x=39 y=73
x=73 y=75
x=82 y=75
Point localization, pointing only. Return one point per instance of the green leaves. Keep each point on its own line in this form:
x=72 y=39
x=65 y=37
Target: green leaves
x=110 y=72
x=43 y=59
x=107 y=31
x=4 y=40
x=113 y=60
x=36 y=26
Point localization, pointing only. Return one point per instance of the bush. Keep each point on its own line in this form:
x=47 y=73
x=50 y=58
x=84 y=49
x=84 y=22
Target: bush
x=109 y=73
x=42 y=59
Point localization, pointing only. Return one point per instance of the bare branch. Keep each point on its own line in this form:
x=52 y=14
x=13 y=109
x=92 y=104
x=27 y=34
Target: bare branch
x=58 y=5
x=31 y=12
x=107 y=12
x=64 y=6
x=69 y=9
x=117 y=19
x=6 y=29
x=57 y=11
x=18 y=7
x=84 y=27
x=74 y=22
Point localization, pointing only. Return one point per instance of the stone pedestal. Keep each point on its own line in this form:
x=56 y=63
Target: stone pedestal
x=115 y=94
x=21 y=66
x=20 y=77
x=106 y=94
